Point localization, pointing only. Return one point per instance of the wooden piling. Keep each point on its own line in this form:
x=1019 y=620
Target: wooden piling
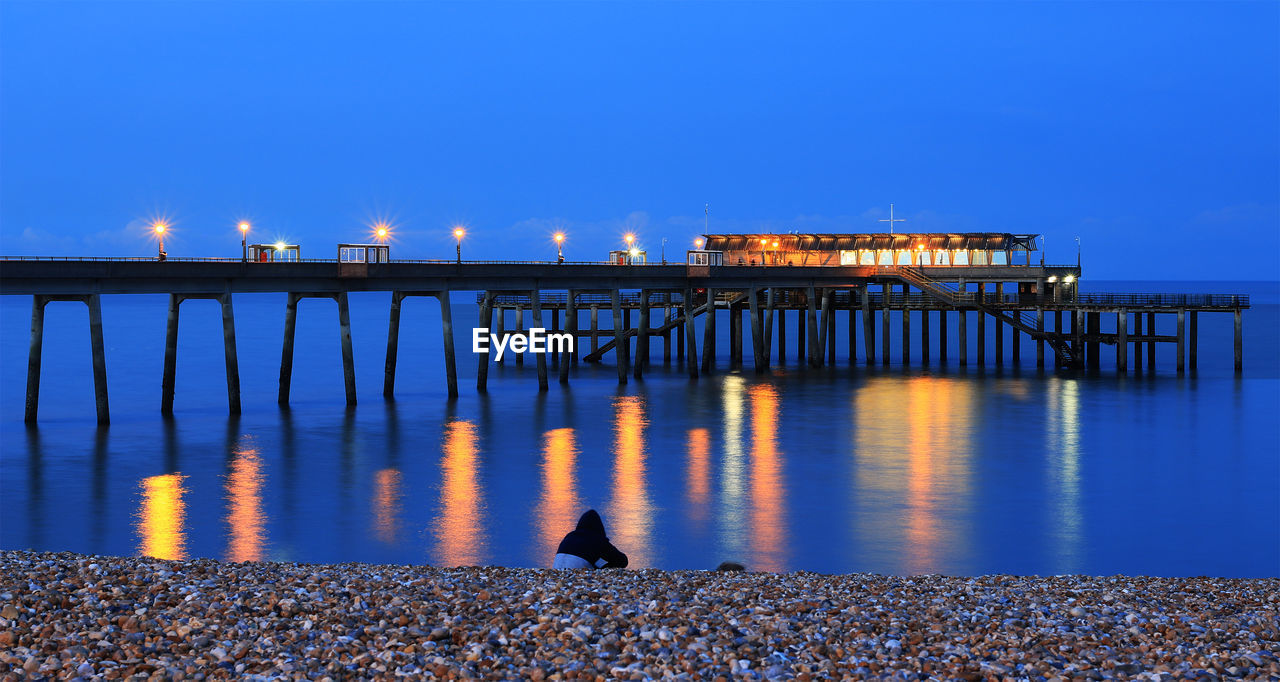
x=942 y=335
x=1151 y=345
x=94 y=301
x=982 y=327
x=999 y=326
x=691 y=344
x=168 y=381
x=853 y=327
x=501 y=331
x=642 y=336
x=1239 y=341
x=1122 y=341
x=759 y=353
x=768 y=326
x=1137 y=345
x=38 y=304
x=348 y=355
x=541 y=358
x=868 y=327
x=595 y=327
x=1092 y=347
x=906 y=331
x=229 y=353
x=482 y=361
x=571 y=324
x=286 y=348
x=829 y=302
x=886 y=294
x=964 y=337
x=924 y=336
x=782 y=336
x=735 y=335
x=811 y=324
x=1040 y=340
x=1195 y=337
x=802 y=342
x=1181 y=332
x=393 y=346
x=709 y=333
x=1017 y=345
x=668 y=315
x=620 y=345
x=519 y=330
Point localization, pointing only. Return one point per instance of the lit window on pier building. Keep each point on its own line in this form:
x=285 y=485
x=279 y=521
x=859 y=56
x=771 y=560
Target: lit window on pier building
x=876 y=248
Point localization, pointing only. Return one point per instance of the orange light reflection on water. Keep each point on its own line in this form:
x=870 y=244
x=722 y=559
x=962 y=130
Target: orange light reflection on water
x=914 y=439
x=459 y=529
x=630 y=520
x=698 y=491
x=768 y=492
x=245 y=518
x=161 y=517
x=557 y=511
x=386 y=505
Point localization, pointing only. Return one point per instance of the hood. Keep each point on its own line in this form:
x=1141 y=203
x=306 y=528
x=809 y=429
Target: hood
x=590 y=522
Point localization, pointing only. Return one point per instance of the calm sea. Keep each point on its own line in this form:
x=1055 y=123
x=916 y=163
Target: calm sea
x=893 y=470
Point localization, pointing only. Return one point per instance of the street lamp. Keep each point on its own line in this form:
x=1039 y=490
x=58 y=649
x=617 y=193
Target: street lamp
x=244 y=241
x=380 y=231
x=160 y=228
x=458 y=233
x=920 y=253
x=697 y=243
x=664 y=250
x=559 y=247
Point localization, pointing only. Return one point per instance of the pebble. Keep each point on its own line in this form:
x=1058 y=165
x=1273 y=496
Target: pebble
x=71 y=615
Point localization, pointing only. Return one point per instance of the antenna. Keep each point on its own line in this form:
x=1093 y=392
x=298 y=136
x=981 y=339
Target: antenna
x=706 y=218
x=891 y=220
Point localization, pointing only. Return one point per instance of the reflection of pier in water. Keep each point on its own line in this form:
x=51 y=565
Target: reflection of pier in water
x=698 y=490
x=768 y=489
x=245 y=519
x=386 y=505
x=161 y=517
x=1063 y=452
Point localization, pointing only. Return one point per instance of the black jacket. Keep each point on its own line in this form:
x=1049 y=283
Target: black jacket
x=589 y=542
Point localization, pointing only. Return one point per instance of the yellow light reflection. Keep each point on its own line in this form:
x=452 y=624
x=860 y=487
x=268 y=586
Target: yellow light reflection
x=733 y=517
x=630 y=519
x=558 y=510
x=768 y=493
x=1064 y=470
x=459 y=529
x=914 y=440
x=161 y=517
x=698 y=491
x=244 y=511
x=386 y=505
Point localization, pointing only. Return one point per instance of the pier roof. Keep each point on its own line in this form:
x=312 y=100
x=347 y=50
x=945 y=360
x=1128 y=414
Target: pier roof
x=873 y=241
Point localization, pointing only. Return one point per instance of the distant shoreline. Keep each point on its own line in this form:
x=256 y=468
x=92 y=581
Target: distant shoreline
x=70 y=615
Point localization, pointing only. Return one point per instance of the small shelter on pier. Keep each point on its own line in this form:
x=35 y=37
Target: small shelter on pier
x=631 y=257
x=364 y=253
x=275 y=253
x=876 y=248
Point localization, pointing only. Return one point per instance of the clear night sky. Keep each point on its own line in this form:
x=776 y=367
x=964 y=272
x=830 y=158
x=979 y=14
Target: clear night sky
x=1151 y=131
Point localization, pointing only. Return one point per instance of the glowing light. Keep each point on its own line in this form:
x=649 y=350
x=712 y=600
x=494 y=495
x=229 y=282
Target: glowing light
x=558 y=510
x=244 y=226
x=698 y=242
x=768 y=489
x=244 y=507
x=459 y=233
x=559 y=237
x=634 y=252
x=161 y=517
x=160 y=227
x=919 y=246
x=629 y=238
x=1053 y=278
x=775 y=243
x=1069 y=279
x=764 y=242
x=631 y=512
x=280 y=246
x=381 y=230
x=386 y=504
x=699 y=486
x=459 y=529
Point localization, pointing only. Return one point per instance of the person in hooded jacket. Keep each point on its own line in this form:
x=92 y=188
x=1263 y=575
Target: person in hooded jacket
x=587 y=546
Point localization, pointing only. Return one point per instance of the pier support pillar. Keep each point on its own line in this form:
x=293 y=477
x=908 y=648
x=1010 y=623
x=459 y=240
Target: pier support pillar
x=393 y=347
x=868 y=328
x=802 y=345
x=829 y=301
x=519 y=330
x=759 y=352
x=668 y=316
x=1122 y=342
x=1040 y=340
x=924 y=335
x=541 y=360
x=446 y=330
x=1239 y=344
x=1181 y=332
x=168 y=381
x=229 y=354
x=1092 y=346
x=571 y=325
x=1077 y=331
x=486 y=323
x=982 y=327
x=1017 y=345
x=942 y=335
x=1195 y=337
x=782 y=336
x=1151 y=345
x=811 y=323
x=1000 y=327
x=709 y=333
x=906 y=331
x=886 y=294
x=1137 y=345
x=286 y=348
x=595 y=328
x=38 y=303
x=642 y=336
x=768 y=326
x=348 y=354
x=690 y=335
x=853 y=327
x=964 y=337
x=735 y=335
x=620 y=344
x=501 y=331
x=94 y=302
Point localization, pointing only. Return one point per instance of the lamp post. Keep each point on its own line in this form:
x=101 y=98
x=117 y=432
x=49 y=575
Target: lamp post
x=244 y=241
x=458 y=233
x=664 y=250
x=630 y=239
x=764 y=244
x=160 y=228
x=559 y=247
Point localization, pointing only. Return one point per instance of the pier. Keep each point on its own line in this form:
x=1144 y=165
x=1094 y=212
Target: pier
x=1023 y=303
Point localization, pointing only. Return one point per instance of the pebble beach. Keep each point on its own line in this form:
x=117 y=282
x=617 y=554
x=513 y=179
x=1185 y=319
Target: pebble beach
x=66 y=615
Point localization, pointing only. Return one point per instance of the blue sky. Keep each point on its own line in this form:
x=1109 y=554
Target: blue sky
x=1149 y=130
